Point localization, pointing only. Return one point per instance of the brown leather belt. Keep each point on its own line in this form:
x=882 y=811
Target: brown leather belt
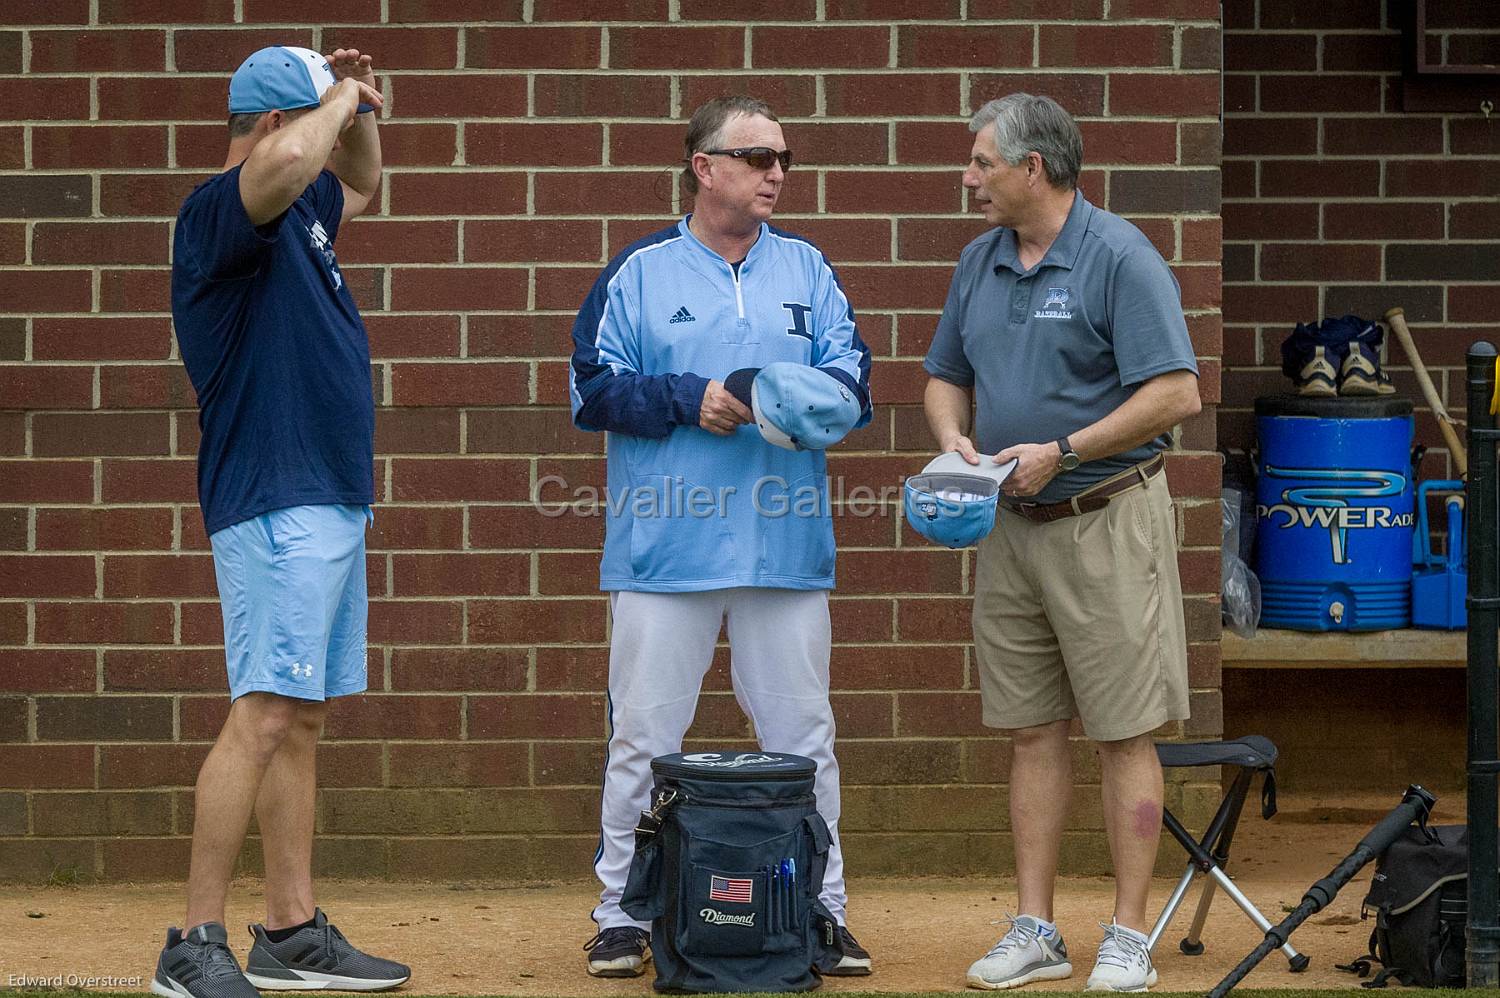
x=1090 y=499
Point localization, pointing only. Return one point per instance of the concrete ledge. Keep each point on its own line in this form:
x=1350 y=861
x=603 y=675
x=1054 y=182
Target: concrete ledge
x=1403 y=649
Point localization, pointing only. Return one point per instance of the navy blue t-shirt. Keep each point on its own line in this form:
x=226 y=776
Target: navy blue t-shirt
x=276 y=351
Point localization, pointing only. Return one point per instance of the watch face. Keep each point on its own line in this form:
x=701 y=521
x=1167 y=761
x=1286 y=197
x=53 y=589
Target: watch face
x=1069 y=461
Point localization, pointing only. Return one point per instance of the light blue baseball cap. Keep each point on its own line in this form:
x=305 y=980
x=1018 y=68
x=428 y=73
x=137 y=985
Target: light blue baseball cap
x=281 y=78
x=796 y=406
x=952 y=502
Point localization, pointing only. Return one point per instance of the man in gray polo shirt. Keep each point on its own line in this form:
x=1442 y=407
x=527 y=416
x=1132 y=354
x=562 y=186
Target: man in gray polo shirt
x=1065 y=326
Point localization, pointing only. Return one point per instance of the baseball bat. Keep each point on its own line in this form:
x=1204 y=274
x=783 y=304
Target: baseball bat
x=1395 y=318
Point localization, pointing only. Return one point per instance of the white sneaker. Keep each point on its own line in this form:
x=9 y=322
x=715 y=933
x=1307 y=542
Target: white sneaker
x=1124 y=962
x=1028 y=952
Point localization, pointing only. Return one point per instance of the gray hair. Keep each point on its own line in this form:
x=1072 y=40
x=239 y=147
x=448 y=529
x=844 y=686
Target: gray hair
x=1024 y=124
x=706 y=129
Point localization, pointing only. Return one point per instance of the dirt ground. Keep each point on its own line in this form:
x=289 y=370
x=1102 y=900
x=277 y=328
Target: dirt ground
x=525 y=939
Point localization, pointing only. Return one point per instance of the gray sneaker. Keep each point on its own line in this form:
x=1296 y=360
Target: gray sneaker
x=1124 y=962
x=200 y=965
x=318 y=957
x=1027 y=952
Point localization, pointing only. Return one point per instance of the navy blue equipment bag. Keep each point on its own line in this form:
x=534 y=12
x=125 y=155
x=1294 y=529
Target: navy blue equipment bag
x=728 y=866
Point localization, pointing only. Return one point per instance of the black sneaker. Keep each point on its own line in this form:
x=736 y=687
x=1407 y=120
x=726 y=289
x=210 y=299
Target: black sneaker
x=200 y=965
x=619 y=952
x=845 y=957
x=318 y=957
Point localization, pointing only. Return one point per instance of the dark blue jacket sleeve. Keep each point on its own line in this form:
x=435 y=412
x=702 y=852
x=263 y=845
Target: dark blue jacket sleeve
x=608 y=391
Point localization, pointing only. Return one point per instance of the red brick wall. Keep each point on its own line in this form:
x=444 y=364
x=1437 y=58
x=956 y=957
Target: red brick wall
x=1337 y=200
x=520 y=155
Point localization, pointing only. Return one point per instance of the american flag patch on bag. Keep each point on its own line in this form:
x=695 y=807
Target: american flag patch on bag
x=735 y=890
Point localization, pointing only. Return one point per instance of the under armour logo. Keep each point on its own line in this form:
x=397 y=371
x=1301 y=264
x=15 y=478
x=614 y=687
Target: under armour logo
x=304 y=671
x=682 y=315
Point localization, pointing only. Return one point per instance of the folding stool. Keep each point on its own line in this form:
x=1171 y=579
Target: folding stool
x=1208 y=856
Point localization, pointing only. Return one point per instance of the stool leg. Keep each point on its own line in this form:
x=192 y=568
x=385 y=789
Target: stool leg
x=1192 y=943
x=1173 y=903
x=1298 y=961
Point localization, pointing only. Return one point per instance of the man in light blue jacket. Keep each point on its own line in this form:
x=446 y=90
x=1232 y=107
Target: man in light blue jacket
x=709 y=525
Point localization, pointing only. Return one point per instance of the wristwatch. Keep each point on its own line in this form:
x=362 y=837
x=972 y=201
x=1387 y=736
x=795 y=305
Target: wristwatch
x=1069 y=459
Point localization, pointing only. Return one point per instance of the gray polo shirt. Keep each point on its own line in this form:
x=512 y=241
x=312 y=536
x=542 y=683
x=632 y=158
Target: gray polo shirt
x=1053 y=349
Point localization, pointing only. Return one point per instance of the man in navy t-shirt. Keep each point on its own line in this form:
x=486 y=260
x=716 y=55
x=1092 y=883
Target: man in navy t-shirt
x=279 y=358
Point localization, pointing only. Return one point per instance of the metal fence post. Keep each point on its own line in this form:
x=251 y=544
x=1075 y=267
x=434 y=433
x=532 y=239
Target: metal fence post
x=1483 y=933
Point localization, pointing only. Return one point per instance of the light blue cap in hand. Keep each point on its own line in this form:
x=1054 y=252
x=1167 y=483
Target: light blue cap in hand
x=281 y=78
x=796 y=406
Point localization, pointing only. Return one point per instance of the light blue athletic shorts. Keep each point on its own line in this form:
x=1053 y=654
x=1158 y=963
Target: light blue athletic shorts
x=292 y=589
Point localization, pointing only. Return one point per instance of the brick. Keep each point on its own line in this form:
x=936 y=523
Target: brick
x=893 y=10
x=49 y=99
x=13 y=339
x=416 y=431
x=532 y=528
x=533 y=240
x=46 y=481
x=111 y=50
x=95 y=434
x=1082 y=94
x=560 y=288
x=1152 y=94
x=458 y=288
x=1036 y=10
x=1363 y=220
x=447 y=95
x=1474 y=221
x=1267 y=52
x=843 y=239
x=141 y=98
x=600 y=96
x=94 y=813
x=58 y=12
x=12 y=433
x=1451 y=262
x=626 y=191
x=399 y=622
x=1241 y=94
x=526 y=143
x=165 y=11
x=222 y=50
x=1323 y=92
x=419 y=143
x=286 y=11
x=1164 y=191
x=788 y=95
x=13 y=811
x=470 y=764
x=103 y=718
x=10 y=52
x=13 y=529
x=383 y=240
x=1362 y=53
x=1269 y=303
x=985 y=47
x=164 y=670
x=383 y=716
x=418 y=528
x=482 y=383
x=36 y=767
x=461 y=574
x=1078 y=45
x=1422 y=303
x=463 y=670
x=1466 y=303
x=13 y=719
x=405 y=11
x=1262 y=137
x=130 y=575
x=1291 y=14
x=939 y=142
x=1201 y=48
x=95 y=529
x=804 y=47
x=443 y=194
x=1325 y=262
x=46 y=291
x=529 y=621
x=459 y=480
x=37 y=386
x=749 y=10
x=149 y=481
x=1329 y=178
x=1382 y=137
x=568 y=574
x=34 y=576
x=1201 y=143
x=91 y=622
x=1429 y=178
x=904 y=191
x=144 y=194
x=528 y=431
x=64 y=147
x=146 y=290
x=1202 y=239
x=96 y=242
x=879 y=94
x=537 y=715
x=1129 y=142
x=399 y=47
x=718 y=47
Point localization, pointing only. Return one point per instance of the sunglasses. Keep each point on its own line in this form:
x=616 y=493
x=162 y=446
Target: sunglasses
x=758 y=157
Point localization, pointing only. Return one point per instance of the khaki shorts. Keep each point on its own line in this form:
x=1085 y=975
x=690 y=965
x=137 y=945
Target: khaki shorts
x=1082 y=617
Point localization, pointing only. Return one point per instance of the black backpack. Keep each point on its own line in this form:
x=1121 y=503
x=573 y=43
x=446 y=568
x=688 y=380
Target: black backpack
x=1420 y=900
x=728 y=866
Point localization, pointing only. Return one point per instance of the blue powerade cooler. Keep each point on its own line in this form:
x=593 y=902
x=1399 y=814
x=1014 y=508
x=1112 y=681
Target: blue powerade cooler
x=1334 y=512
